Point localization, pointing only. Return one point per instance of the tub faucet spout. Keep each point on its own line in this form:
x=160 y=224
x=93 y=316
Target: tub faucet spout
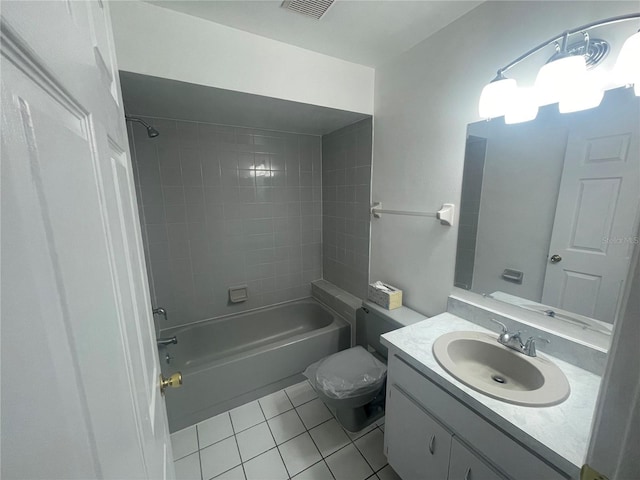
x=167 y=341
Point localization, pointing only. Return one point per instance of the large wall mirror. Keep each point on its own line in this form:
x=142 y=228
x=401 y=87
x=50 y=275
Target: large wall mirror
x=550 y=210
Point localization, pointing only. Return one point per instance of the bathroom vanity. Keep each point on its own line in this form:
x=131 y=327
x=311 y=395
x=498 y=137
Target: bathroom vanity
x=439 y=428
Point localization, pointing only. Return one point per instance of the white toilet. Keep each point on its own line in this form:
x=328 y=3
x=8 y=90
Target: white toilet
x=352 y=382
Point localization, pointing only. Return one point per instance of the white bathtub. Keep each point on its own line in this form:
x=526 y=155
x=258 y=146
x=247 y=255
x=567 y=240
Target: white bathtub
x=235 y=359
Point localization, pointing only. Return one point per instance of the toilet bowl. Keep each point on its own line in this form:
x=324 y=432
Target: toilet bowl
x=352 y=382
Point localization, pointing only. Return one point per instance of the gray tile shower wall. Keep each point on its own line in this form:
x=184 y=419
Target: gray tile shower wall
x=222 y=206
x=346 y=192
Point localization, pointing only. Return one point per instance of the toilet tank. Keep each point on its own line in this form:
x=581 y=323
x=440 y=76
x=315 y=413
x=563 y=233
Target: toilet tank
x=370 y=324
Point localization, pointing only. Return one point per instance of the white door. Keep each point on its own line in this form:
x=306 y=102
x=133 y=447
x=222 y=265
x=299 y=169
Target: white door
x=596 y=218
x=80 y=395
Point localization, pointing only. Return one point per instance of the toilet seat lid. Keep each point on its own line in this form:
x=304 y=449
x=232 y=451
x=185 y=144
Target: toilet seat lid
x=350 y=373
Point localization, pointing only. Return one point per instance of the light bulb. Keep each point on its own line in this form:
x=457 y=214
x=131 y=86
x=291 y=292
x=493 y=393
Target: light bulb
x=559 y=77
x=496 y=96
x=627 y=68
x=523 y=106
x=583 y=96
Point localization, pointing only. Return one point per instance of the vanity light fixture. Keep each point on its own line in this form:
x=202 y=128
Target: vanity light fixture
x=627 y=69
x=522 y=106
x=496 y=96
x=564 y=79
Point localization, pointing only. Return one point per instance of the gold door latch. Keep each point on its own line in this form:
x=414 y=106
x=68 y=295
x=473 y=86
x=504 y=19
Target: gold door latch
x=174 y=381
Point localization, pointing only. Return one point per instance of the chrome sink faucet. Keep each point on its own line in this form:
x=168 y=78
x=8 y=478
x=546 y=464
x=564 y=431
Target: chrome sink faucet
x=513 y=340
x=529 y=347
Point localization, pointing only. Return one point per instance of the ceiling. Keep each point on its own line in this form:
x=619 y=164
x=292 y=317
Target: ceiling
x=359 y=31
x=149 y=96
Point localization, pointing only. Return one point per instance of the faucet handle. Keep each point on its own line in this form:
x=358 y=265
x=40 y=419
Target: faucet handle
x=530 y=346
x=502 y=325
x=160 y=311
x=537 y=337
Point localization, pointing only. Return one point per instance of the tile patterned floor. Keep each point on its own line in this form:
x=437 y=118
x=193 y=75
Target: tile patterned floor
x=288 y=434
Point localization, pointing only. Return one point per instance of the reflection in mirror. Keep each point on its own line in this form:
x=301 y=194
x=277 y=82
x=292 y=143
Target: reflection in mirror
x=549 y=210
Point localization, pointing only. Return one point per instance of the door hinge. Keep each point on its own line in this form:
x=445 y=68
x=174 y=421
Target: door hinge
x=588 y=473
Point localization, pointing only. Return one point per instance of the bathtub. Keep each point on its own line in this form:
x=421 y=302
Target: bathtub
x=232 y=360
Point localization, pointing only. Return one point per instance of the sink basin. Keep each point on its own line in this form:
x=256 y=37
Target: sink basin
x=479 y=361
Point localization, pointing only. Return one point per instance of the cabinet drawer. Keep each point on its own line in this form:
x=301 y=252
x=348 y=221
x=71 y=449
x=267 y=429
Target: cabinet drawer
x=418 y=446
x=510 y=456
x=466 y=465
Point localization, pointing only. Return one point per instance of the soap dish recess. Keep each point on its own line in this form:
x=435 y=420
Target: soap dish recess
x=238 y=294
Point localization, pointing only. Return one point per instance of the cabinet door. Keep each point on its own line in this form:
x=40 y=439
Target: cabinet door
x=418 y=447
x=465 y=465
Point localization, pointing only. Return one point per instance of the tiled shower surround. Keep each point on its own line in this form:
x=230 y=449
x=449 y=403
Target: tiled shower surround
x=223 y=206
x=346 y=192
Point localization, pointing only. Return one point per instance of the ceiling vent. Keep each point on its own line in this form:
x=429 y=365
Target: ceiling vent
x=310 y=8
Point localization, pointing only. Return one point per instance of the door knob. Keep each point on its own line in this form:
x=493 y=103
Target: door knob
x=555 y=258
x=174 y=381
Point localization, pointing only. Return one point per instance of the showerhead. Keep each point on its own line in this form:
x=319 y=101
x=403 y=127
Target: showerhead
x=151 y=132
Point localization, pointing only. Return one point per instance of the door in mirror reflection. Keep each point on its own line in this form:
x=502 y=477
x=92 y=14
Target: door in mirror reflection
x=596 y=211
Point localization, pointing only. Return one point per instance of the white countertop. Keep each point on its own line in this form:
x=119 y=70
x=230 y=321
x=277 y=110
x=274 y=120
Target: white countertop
x=563 y=429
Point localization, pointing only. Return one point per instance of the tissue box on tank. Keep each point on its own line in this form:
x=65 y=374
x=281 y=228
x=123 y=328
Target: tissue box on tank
x=386 y=296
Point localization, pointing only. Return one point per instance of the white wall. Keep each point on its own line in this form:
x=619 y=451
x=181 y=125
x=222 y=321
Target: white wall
x=156 y=41
x=423 y=101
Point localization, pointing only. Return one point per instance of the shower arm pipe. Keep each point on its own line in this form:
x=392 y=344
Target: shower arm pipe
x=564 y=36
x=136 y=119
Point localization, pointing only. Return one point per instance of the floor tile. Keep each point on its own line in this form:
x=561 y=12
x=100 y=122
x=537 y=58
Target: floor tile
x=329 y=437
x=233 y=474
x=313 y=413
x=254 y=441
x=371 y=446
x=219 y=458
x=319 y=471
x=355 y=435
x=246 y=416
x=214 y=429
x=286 y=426
x=388 y=473
x=299 y=453
x=184 y=442
x=301 y=393
x=188 y=468
x=348 y=464
x=275 y=404
x=267 y=466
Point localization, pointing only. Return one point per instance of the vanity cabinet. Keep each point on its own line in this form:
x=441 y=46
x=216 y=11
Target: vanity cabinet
x=429 y=434
x=466 y=465
x=419 y=447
